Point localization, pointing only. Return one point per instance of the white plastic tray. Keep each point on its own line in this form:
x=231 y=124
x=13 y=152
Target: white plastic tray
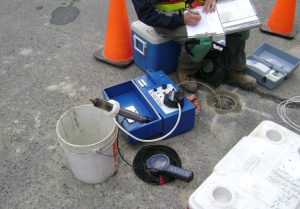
x=261 y=172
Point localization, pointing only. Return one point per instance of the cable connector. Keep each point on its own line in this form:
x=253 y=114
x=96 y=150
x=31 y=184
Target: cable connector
x=173 y=98
x=193 y=98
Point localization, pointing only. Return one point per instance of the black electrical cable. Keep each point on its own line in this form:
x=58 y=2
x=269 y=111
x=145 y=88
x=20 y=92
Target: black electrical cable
x=121 y=155
x=140 y=167
x=118 y=148
x=139 y=162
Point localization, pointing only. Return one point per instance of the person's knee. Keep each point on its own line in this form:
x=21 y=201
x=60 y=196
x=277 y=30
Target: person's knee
x=242 y=36
x=200 y=48
x=245 y=35
x=178 y=34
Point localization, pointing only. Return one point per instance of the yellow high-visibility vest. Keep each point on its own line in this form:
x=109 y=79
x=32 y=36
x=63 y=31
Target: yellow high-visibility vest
x=172 y=5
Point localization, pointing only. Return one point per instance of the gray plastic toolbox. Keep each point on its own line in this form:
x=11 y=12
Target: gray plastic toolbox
x=270 y=65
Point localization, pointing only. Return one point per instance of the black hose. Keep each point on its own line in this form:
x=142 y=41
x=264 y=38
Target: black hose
x=141 y=170
x=139 y=162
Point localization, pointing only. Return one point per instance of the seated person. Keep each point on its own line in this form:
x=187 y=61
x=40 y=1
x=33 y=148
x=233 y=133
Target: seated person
x=169 y=20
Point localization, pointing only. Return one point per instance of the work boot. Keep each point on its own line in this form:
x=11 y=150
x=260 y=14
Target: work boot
x=189 y=81
x=241 y=80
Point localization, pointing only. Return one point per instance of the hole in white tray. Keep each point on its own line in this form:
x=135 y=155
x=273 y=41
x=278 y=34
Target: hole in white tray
x=274 y=135
x=222 y=195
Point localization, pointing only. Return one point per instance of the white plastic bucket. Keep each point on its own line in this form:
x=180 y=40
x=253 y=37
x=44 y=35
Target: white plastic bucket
x=88 y=136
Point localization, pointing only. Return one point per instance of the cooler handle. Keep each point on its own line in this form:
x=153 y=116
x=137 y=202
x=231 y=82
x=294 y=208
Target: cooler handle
x=144 y=43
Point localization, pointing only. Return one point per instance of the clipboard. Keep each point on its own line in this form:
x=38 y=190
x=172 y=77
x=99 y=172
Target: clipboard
x=230 y=16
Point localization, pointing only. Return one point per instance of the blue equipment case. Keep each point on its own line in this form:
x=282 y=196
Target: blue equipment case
x=144 y=95
x=270 y=65
x=151 y=52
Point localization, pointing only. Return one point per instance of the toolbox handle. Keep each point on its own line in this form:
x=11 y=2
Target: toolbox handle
x=144 y=43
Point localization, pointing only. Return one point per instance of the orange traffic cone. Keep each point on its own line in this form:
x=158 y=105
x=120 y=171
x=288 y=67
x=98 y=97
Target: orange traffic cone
x=117 y=48
x=281 y=20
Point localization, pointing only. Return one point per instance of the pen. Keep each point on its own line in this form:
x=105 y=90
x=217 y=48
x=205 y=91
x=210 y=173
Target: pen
x=191 y=11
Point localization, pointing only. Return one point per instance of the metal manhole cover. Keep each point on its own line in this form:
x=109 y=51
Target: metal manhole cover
x=224 y=101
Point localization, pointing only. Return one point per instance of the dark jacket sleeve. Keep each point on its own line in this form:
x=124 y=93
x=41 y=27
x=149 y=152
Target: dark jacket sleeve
x=148 y=14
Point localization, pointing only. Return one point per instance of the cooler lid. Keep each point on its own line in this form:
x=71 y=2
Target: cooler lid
x=147 y=32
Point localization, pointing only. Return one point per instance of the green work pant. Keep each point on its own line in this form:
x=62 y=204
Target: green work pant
x=191 y=62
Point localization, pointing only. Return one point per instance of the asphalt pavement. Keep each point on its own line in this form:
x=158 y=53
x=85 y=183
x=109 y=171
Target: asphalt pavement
x=47 y=67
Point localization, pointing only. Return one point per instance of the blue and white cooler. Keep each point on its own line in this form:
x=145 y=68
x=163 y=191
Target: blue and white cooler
x=152 y=52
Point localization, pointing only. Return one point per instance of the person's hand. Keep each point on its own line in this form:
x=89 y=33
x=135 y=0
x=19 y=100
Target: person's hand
x=209 y=6
x=191 y=18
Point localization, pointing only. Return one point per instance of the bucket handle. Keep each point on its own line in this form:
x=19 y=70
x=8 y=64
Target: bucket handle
x=104 y=154
x=100 y=149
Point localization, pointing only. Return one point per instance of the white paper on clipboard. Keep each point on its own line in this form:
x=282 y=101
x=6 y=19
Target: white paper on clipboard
x=230 y=14
x=210 y=24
